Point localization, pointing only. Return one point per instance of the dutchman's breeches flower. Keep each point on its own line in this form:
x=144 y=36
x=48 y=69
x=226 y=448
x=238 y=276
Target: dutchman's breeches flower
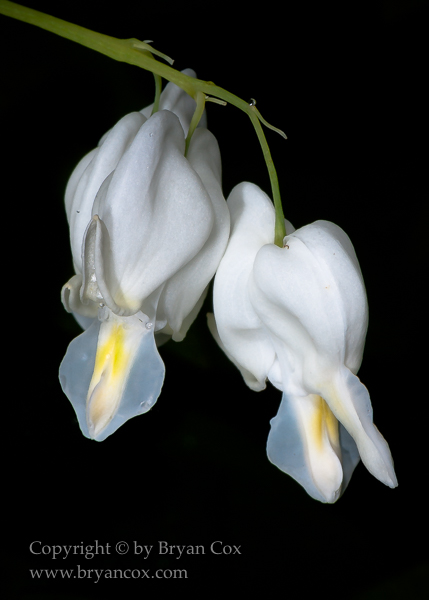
x=148 y=227
x=298 y=316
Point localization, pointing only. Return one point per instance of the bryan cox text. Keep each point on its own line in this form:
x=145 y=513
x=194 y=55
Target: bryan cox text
x=96 y=548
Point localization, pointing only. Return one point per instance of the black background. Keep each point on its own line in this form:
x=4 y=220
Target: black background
x=347 y=86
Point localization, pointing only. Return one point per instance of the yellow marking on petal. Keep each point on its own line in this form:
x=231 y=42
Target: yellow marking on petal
x=324 y=452
x=112 y=365
x=324 y=424
x=112 y=351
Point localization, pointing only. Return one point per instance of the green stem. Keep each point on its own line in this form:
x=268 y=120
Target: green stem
x=198 y=113
x=158 y=87
x=279 y=228
x=138 y=53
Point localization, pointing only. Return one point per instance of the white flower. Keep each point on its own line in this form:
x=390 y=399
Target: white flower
x=298 y=316
x=147 y=228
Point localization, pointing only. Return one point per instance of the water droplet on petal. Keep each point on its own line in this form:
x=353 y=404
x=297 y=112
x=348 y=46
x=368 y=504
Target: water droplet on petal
x=144 y=406
x=149 y=325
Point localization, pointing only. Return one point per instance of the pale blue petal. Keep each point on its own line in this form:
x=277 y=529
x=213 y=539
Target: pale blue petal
x=143 y=385
x=76 y=371
x=287 y=450
x=84 y=322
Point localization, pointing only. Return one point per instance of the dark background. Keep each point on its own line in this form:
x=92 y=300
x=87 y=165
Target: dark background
x=347 y=86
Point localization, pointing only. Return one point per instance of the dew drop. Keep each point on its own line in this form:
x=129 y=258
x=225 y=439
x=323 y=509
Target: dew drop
x=252 y=102
x=148 y=325
x=144 y=406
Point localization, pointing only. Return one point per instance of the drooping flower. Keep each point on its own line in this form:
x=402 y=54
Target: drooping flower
x=298 y=316
x=148 y=227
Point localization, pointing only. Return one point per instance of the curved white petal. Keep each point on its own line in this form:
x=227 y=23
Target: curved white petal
x=248 y=377
x=111 y=373
x=349 y=400
x=184 y=289
x=318 y=308
x=73 y=182
x=156 y=211
x=90 y=173
x=331 y=253
x=238 y=325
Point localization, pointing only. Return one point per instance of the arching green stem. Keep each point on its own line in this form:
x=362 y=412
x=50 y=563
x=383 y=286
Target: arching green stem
x=139 y=53
x=279 y=228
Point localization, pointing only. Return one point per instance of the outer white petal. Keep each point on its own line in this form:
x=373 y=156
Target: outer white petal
x=73 y=182
x=185 y=289
x=156 y=212
x=90 y=173
x=239 y=327
x=111 y=373
x=312 y=297
x=178 y=102
x=335 y=259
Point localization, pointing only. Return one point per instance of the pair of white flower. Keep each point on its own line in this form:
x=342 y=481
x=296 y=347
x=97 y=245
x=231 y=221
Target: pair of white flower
x=149 y=229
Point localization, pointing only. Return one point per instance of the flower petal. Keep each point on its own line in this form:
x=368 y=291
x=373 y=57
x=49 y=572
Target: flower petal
x=90 y=173
x=302 y=301
x=156 y=211
x=185 y=288
x=349 y=400
x=239 y=328
x=304 y=443
x=330 y=253
x=111 y=373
